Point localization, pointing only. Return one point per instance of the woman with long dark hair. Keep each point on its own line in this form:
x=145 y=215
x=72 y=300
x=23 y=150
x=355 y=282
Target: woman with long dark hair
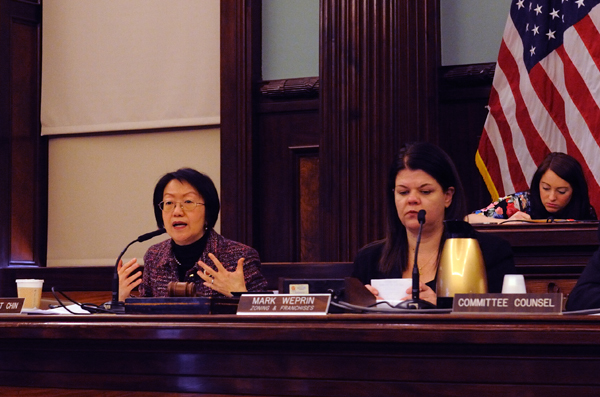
x=558 y=190
x=423 y=177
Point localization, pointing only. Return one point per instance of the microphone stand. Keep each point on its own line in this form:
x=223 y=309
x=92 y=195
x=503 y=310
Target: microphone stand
x=115 y=305
x=416 y=302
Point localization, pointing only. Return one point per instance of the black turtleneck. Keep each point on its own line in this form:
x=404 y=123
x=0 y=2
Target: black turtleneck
x=188 y=255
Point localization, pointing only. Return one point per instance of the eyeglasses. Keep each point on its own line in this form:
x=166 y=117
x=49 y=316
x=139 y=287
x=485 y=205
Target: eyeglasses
x=187 y=205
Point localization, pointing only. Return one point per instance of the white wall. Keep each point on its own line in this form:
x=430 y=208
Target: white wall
x=100 y=185
x=472 y=30
x=129 y=65
x=290 y=41
x=471 y=33
x=100 y=190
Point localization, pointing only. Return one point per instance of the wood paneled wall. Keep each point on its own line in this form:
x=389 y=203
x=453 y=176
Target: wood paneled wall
x=378 y=71
x=463 y=97
x=23 y=153
x=378 y=89
x=288 y=167
x=240 y=76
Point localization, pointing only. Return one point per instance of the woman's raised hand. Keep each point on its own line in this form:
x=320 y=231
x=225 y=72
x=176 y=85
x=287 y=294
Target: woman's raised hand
x=128 y=278
x=221 y=280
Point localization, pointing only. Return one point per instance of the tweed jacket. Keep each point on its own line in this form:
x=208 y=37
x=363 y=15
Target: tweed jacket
x=160 y=266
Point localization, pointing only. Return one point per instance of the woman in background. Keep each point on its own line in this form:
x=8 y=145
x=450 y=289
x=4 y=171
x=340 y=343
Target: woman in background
x=422 y=176
x=558 y=190
x=186 y=204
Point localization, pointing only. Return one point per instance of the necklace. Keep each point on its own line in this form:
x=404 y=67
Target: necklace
x=431 y=260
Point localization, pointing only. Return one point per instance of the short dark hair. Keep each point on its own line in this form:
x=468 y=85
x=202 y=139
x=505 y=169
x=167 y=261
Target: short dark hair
x=569 y=169
x=201 y=182
x=435 y=162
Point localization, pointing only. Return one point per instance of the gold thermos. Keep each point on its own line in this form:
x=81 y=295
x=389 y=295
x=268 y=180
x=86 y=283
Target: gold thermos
x=461 y=269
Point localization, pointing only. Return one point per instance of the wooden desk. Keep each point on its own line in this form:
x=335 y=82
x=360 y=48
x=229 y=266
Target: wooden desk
x=550 y=255
x=333 y=355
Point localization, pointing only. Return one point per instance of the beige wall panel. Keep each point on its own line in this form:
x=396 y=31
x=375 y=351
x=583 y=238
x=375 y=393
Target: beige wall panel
x=100 y=190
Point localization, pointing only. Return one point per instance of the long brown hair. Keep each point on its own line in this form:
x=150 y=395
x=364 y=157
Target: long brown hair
x=569 y=169
x=435 y=162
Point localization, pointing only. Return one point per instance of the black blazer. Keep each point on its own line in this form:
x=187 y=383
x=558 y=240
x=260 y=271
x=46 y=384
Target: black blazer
x=497 y=255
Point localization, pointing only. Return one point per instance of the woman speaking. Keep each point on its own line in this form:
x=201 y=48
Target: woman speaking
x=186 y=204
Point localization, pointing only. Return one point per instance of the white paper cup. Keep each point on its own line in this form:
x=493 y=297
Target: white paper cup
x=31 y=290
x=392 y=289
x=514 y=284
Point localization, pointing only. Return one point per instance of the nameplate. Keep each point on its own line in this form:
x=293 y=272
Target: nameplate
x=284 y=304
x=11 y=305
x=508 y=303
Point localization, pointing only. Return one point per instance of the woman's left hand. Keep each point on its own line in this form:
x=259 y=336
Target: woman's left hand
x=221 y=280
x=425 y=293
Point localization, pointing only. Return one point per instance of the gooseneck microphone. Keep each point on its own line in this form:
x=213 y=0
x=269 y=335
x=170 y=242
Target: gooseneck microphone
x=115 y=305
x=415 y=272
x=416 y=302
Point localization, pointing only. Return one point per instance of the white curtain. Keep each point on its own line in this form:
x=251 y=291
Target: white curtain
x=129 y=65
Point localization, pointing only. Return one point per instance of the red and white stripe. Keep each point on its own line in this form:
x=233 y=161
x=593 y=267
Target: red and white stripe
x=554 y=108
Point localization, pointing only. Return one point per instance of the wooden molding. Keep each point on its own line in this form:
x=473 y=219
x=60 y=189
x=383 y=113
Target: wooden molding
x=305 y=87
x=468 y=75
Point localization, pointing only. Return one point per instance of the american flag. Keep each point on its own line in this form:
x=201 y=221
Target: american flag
x=545 y=95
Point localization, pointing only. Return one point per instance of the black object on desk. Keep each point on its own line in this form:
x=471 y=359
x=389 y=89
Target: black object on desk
x=181 y=305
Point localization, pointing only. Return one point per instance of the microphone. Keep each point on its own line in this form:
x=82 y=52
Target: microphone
x=114 y=304
x=148 y=236
x=415 y=273
x=416 y=302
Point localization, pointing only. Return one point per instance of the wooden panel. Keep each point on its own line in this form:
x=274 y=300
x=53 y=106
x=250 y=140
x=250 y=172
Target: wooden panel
x=324 y=270
x=25 y=132
x=309 y=236
x=23 y=164
x=464 y=94
x=551 y=249
x=87 y=278
x=240 y=74
x=378 y=71
x=551 y=256
x=288 y=134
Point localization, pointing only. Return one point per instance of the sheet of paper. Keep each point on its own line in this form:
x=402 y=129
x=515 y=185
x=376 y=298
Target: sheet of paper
x=58 y=310
x=392 y=289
